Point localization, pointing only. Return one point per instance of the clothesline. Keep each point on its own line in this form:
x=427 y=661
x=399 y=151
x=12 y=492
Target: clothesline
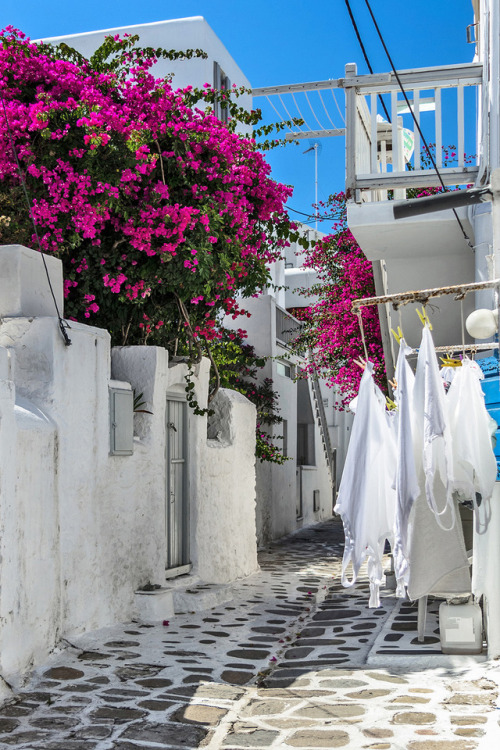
x=468 y=347
x=422 y=296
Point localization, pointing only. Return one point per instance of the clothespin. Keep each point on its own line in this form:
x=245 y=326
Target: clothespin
x=424 y=318
x=398 y=335
x=361 y=363
x=450 y=361
x=390 y=403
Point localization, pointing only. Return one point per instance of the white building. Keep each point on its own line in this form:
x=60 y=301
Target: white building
x=297 y=278
x=218 y=69
x=458 y=105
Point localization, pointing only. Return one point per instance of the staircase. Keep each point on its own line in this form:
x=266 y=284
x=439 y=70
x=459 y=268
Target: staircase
x=330 y=453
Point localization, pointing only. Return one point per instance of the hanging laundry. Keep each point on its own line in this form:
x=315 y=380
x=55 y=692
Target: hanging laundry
x=437 y=558
x=447 y=374
x=366 y=498
x=406 y=485
x=474 y=463
x=431 y=431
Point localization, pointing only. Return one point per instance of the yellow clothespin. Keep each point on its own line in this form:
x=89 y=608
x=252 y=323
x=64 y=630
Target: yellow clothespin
x=390 y=403
x=424 y=318
x=450 y=362
x=398 y=335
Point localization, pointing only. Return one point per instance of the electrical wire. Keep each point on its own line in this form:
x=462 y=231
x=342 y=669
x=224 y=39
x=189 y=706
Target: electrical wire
x=365 y=55
x=313 y=216
x=62 y=324
x=417 y=124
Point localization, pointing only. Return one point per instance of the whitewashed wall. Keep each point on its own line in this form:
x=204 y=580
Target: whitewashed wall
x=81 y=530
x=228 y=515
x=176 y=34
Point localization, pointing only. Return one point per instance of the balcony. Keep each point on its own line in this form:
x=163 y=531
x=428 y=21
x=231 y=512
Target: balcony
x=374 y=165
x=386 y=162
x=287 y=328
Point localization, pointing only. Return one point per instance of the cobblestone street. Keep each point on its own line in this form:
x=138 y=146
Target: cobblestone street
x=292 y=661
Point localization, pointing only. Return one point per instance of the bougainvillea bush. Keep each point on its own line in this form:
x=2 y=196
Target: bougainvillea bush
x=160 y=213
x=331 y=336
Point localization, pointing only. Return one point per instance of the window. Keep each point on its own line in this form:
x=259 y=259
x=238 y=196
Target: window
x=284 y=426
x=285 y=369
x=221 y=82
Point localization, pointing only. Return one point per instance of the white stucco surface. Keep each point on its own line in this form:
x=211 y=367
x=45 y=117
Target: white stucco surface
x=81 y=530
x=230 y=515
x=24 y=283
x=177 y=34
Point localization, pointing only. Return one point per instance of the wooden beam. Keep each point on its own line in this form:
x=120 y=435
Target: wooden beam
x=314 y=134
x=293 y=88
x=414 y=178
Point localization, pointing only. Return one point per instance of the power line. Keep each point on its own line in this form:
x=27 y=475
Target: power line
x=62 y=324
x=365 y=55
x=417 y=124
x=312 y=216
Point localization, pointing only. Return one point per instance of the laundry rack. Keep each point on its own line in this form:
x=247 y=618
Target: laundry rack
x=422 y=296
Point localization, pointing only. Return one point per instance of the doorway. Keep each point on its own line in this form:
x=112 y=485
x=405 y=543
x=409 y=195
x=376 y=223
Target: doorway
x=176 y=495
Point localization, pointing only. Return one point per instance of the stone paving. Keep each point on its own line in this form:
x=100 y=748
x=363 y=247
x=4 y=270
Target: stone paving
x=285 y=664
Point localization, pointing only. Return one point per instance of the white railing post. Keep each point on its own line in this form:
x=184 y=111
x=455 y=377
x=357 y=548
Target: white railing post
x=399 y=193
x=439 y=138
x=394 y=119
x=373 y=133
x=416 y=132
x=350 y=123
x=460 y=126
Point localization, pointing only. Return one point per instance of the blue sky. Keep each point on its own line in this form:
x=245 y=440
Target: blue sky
x=276 y=42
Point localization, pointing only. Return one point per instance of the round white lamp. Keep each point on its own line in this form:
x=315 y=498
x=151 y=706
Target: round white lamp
x=482 y=323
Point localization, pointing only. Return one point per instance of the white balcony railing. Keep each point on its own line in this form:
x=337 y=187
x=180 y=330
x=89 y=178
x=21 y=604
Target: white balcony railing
x=287 y=327
x=382 y=156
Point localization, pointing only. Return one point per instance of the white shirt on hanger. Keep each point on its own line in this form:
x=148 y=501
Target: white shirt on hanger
x=438 y=561
x=474 y=463
x=366 y=498
x=406 y=486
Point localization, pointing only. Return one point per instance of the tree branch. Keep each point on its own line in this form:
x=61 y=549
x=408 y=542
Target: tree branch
x=192 y=338
x=212 y=393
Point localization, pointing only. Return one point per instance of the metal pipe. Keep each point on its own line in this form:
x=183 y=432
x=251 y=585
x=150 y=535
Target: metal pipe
x=442 y=202
x=460 y=347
